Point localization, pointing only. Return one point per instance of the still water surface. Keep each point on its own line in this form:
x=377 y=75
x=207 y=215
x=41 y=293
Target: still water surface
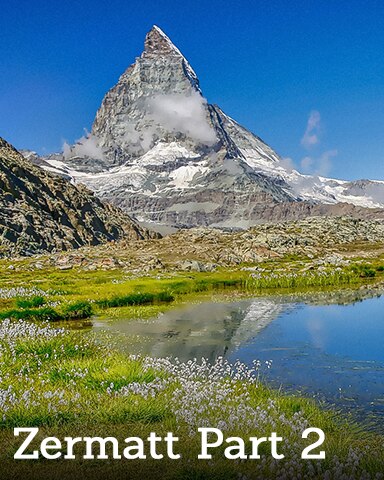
x=330 y=351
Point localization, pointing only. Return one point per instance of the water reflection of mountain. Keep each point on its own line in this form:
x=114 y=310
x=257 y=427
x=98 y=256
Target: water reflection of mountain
x=212 y=329
x=205 y=330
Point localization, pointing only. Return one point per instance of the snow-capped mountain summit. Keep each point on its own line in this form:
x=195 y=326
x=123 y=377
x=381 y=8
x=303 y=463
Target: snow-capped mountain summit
x=161 y=152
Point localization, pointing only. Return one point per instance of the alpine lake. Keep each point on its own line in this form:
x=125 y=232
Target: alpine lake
x=326 y=345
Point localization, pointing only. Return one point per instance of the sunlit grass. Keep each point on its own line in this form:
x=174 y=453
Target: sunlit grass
x=53 y=295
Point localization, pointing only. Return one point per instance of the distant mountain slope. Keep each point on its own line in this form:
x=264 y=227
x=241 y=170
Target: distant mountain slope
x=44 y=212
x=158 y=150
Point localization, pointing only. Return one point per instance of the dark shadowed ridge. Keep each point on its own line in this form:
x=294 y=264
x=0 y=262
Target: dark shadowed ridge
x=42 y=212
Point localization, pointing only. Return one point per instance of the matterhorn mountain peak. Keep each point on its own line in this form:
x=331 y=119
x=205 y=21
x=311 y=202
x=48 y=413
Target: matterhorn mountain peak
x=161 y=152
x=158 y=43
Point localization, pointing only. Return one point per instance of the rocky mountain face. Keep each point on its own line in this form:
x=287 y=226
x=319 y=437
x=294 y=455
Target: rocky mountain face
x=41 y=212
x=159 y=151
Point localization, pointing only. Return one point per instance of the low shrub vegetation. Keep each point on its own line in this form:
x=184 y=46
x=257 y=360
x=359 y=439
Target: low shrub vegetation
x=33 y=302
x=132 y=299
x=35 y=314
x=77 y=310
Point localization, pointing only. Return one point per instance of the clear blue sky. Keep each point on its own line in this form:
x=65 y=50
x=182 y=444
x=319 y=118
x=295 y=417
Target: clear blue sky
x=267 y=63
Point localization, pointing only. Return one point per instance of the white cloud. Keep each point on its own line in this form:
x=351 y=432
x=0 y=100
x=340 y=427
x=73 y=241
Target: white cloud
x=86 y=146
x=183 y=113
x=311 y=134
x=306 y=164
x=315 y=164
x=288 y=164
x=318 y=165
x=138 y=143
x=324 y=164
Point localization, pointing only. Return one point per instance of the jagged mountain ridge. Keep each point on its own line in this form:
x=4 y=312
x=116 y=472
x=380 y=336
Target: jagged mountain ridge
x=159 y=151
x=42 y=212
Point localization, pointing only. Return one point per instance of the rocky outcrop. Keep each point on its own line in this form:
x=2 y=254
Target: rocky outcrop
x=44 y=212
x=312 y=237
x=320 y=241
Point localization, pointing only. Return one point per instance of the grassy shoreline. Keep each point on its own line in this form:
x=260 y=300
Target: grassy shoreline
x=68 y=384
x=55 y=295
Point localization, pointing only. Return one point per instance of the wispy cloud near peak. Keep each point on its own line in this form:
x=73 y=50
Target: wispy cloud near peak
x=311 y=134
